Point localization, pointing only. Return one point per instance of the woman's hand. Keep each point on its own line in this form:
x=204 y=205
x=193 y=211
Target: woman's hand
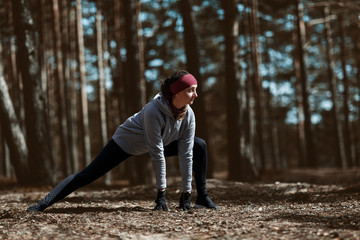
x=185 y=202
x=160 y=201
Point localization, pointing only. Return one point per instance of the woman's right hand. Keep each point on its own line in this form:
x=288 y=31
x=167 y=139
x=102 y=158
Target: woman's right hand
x=185 y=201
x=160 y=201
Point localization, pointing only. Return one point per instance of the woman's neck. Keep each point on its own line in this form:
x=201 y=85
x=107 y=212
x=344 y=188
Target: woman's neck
x=177 y=105
x=177 y=113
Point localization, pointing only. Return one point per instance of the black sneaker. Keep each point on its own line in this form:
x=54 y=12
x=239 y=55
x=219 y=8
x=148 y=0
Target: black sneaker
x=205 y=202
x=36 y=208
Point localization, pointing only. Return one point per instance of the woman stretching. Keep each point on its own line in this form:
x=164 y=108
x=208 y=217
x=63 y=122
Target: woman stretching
x=164 y=127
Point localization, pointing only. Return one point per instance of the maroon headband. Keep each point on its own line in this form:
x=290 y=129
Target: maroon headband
x=182 y=83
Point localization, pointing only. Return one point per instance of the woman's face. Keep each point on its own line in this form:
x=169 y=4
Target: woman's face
x=186 y=96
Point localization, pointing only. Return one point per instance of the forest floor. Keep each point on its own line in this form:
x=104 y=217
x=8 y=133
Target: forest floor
x=297 y=204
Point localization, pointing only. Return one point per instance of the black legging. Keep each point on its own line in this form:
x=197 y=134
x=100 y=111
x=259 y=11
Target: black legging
x=112 y=155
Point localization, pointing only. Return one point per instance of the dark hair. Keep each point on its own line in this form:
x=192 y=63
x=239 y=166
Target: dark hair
x=165 y=86
x=165 y=91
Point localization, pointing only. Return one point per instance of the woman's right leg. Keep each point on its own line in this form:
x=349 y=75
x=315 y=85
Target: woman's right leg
x=110 y=156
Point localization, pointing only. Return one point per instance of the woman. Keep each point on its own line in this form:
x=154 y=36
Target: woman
x=164 y=127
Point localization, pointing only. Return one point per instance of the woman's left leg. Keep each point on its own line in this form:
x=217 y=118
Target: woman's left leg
x=199 y=162
x=199 y=169
x=200 y=165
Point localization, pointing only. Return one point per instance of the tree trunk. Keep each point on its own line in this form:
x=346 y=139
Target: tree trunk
x=18 y=99
x=193 y=66
x=2 y=154
x=118 y=91
x=37 y=136
x=6 y=168
x=356 y=133
x=101 y=86
x=273 y=160
x=84 y=111
x=60 y=91
x=141 y=169
x=257 y=82
x=73 y=113
x=239 y=165
x=67 y=16
x=340 y=157
x=110 y=112
x=299 y=103
x=309 y=155
x=12 y=132
x=346 y=112
x=47 y=80
x=43 y=63
x=250 y=127
x=117 y=94
x=7 y=73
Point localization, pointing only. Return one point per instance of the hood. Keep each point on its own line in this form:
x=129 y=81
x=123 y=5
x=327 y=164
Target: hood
x=160 y=102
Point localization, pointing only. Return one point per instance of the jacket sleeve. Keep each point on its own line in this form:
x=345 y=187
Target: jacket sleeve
x=185 y=146
x=152 y=131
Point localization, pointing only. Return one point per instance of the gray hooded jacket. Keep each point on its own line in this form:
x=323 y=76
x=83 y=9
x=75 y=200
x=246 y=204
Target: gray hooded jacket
x=153 y=128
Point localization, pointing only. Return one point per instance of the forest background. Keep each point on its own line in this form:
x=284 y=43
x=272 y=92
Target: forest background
x=279 y=82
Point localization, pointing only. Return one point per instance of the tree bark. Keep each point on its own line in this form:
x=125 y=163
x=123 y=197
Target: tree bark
x=84 y=111
x=309 y=155
x=193 y=66
x=37 y=136
x=239 y=165
x=12 y=132
x=340 y=156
